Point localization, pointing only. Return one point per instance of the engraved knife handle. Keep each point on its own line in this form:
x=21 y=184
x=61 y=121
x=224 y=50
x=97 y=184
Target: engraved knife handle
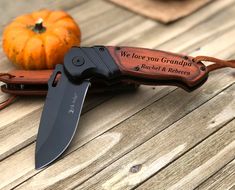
x=139 y=65
x=156 y=67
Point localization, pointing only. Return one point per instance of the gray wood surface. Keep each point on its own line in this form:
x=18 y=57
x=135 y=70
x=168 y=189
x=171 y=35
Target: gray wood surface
x=154 y=138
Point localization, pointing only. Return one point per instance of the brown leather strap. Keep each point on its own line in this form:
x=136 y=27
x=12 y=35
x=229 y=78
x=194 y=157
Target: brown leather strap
x=218 y=63
x=6 y=74
x=7 y=102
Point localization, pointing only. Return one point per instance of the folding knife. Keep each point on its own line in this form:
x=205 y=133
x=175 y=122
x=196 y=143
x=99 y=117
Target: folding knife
x=84 y=65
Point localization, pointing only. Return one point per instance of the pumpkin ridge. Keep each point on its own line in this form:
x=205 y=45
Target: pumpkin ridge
x=44 y=52
x=23 y=18
x=20 y=50
x=62 y=18
x=40 y=14
x=17 y=22
x=75 y=39
x=59 y=18
x=49 y=13
x=73 y=28
x=57 y=36
x=22 y=29
x=60 y=41
x=64 y=28
x=31 y=17
x=46 y=18
x=24 y=63
x=11 y=48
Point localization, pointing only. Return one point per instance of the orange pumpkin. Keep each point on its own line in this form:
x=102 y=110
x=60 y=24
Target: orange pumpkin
x=41 y=39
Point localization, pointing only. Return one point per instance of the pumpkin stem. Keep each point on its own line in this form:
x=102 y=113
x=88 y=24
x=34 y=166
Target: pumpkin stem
x=38 y=27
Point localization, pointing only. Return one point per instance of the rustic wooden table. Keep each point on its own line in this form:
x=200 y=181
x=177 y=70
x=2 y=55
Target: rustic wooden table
x=155 y=138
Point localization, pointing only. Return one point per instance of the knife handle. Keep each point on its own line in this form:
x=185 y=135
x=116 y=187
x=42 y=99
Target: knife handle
x=156 y=67
x=139 y=65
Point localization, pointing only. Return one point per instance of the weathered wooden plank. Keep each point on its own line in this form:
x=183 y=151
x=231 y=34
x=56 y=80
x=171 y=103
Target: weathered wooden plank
x=104 y=21
x=5 y=118
x=31 y=153
x=22 y=132
x=153 y=155
x=22 y=112
x=223 y=179
x=132 y=127
x=5 y=151
x=94 y=9
x=199 y=163
x=28 y=166
x=125 y=105
x=103 y=10
x=123 y=31
x=100 y=5
x=21 y=108
x=203 y=33
x=156 y=36
x=11 y=9
x=9 y=66
x=136 y=24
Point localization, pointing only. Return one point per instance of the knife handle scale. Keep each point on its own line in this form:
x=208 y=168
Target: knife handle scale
x=156 y=67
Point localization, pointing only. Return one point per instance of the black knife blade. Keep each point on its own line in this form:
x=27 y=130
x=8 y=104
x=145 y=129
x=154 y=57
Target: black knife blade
x=60 y=117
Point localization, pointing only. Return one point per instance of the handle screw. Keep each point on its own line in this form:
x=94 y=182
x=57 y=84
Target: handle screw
x=203 y=68
x=101 y=49
x=137 y=68
x=78 y=61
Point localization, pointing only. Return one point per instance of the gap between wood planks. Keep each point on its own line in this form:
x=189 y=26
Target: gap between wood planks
x=12 y=9
x=16 y=104
x=28 y=141
x=223 y=179
x=149 y=38
x=74 y=177
x=192 y=176
x=189 y=150
x=220 y=99
x=95 y=104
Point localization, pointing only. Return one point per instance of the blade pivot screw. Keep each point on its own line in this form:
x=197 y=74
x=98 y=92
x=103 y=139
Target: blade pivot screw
x=78 y=61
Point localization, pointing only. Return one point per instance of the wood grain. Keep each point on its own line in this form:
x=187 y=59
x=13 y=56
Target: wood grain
x=133 y=134
x=165 y=147
x=13 y=138
x=12 y=9
x=26 y=106
x=30 y=137
x=199 y=163
x=88 y=129
x=136 y=115
x=157 y=36
x=147 y=34
x=164 y=11
x=223 y=179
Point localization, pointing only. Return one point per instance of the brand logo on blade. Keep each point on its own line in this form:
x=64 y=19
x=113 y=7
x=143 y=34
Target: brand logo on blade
x=72 y=105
